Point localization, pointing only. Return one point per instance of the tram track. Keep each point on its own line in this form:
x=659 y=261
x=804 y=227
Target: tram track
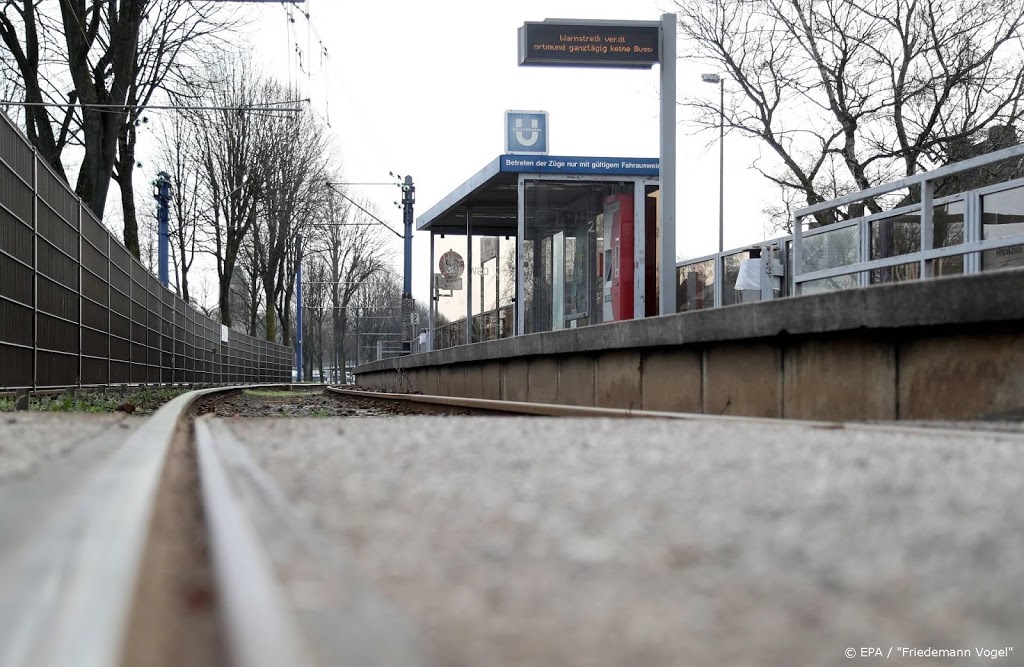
x=174 y=547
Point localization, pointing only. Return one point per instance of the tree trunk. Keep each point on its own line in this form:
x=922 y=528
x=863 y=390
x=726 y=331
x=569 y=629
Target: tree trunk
x=341 y=348
x=183 y=280
x=224 y=295
x=286 y=319
x=123 y=176
x=271 y=330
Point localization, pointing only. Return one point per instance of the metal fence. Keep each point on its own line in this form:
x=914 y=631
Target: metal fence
x=488 y=325
x=77 y=309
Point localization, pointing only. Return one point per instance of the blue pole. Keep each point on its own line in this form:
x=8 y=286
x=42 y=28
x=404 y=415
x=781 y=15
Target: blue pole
x=298 y=311
x=163 y=196
x=408 y=199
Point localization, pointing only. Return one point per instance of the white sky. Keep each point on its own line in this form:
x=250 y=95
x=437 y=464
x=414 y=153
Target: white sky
x=421 y=88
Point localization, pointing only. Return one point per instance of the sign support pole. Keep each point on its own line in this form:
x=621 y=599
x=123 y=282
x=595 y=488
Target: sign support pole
x=432 y=322
x=667 y=176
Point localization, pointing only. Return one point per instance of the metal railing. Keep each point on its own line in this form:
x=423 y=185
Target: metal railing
x=77 y=309
x=488 y=325
x=389 y=349
x=955 y=234
x=923 y=239
x=697 y=287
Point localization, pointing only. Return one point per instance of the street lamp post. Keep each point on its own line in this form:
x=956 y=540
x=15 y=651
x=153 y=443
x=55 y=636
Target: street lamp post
x=715 y=78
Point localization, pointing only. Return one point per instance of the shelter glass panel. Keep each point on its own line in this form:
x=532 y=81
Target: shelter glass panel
x=1003 y=215
x=494 y=286
x=450 y=292
x=578 y=258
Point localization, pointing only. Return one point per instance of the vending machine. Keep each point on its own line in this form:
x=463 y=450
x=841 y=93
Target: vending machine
x=618 y=257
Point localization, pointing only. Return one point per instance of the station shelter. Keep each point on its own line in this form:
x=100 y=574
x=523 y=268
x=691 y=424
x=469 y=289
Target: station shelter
x=535 y=243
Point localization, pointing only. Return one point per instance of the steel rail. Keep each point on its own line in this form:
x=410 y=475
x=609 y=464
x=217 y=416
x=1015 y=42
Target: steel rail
x=287 y=596
x=66 y=593
x=261 y=632
x=555 y=410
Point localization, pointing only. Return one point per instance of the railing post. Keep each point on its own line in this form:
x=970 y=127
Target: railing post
x=797 y=253
x=864 y=250
x=973 y=230
x=927 y=231
x=719 y=279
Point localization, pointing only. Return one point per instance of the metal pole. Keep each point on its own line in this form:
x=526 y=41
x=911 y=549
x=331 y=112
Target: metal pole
x=497 y=288
x=721 y=168
x=469 y=278
x=432 y=323
x=298 y=309
x=408 y=199
x=667 y=172
x=520 y=257
x=163 y=197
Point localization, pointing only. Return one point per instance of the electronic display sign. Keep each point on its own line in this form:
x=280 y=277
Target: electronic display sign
x=588 y=44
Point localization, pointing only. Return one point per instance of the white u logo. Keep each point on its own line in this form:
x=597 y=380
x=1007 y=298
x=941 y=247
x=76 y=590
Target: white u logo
x=527 y=137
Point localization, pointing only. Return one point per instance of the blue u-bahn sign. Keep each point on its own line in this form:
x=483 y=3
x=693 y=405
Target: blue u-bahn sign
x=526 y=132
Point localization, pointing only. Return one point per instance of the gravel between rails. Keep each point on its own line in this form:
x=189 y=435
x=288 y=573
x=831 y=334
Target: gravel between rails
x=310 y=403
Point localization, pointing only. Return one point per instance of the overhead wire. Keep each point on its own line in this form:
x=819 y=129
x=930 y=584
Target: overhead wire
x=304 y=69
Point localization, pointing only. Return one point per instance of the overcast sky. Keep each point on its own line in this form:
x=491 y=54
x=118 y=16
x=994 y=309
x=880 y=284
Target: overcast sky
x=421 y=88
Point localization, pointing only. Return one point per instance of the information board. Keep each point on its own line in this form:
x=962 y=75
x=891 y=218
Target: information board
x=570 y=164
x=588 y=44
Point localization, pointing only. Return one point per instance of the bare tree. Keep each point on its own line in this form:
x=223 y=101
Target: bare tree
x=232 y=156
x=849 y=95
x=376 y=314
x=172 y=40
x=179 y=153
x=356 y=250
x=296 y=170
x=314 y=291
x=247 y=296
x=85 y=68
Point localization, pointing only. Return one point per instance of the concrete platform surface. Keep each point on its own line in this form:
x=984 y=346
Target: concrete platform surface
x=536 y=541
